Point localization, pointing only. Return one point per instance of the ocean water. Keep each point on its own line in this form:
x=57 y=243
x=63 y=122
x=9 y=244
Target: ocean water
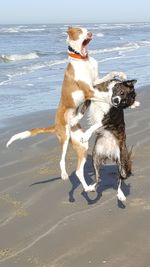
x=33 y=59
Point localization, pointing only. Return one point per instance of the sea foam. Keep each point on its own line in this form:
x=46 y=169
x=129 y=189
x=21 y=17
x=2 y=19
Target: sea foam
x=17 y=57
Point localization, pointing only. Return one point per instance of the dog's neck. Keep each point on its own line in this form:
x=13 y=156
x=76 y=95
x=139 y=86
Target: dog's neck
x=74 y=54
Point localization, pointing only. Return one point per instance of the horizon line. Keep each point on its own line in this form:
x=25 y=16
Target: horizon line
x=104 y=22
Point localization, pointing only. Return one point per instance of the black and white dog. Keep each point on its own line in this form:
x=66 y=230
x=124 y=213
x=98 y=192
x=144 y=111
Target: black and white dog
x=110 y=140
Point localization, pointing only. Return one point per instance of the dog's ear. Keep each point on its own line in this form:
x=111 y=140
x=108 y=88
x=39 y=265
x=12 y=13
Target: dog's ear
x=69 y=30
x=130 y=83
x=74 y=32
x=130 y=153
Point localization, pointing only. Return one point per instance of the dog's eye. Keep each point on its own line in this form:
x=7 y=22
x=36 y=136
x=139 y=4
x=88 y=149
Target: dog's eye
x=122 y=92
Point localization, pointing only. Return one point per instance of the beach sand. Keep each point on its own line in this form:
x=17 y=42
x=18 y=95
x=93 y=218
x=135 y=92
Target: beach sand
x=47 y=222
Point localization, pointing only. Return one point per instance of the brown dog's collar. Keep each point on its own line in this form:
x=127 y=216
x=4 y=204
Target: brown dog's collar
x=78 y=56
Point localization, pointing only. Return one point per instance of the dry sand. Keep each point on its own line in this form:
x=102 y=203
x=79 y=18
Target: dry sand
x=47 y=222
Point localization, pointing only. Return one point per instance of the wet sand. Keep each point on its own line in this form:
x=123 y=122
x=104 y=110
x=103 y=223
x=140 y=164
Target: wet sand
x=47 y=222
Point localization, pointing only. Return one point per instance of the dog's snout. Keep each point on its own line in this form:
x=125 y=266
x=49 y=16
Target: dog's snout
x=116 y=100
x=89 y=34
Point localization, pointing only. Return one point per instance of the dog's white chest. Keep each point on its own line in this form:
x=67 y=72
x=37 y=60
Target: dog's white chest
x=107 y=146
x=85 y=70
x=97 y=111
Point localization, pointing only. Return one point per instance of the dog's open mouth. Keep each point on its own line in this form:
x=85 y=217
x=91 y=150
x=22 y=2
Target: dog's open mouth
x=85 y=43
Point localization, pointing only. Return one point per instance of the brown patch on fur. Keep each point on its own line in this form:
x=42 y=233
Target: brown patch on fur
x=102 y=86
x=74 y=33
x=88 y=93
x=70 y=85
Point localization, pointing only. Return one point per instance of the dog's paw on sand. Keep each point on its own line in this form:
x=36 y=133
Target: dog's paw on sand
x=121 y=196
x=64 y=176
x=91 y=188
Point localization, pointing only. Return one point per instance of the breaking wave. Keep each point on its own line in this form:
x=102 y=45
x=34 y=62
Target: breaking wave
x=99 y=34
x=18 y=57
x=32 y=68
x=126 y=47
x=21 y=29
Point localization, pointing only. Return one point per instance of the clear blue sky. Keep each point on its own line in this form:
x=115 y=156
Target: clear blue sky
x=69 y=11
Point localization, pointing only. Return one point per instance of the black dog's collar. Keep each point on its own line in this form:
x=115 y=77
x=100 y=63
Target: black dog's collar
x=72 y=50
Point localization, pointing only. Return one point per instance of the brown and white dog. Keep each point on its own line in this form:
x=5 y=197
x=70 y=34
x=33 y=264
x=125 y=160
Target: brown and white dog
x=110 y=140
x=80 y=77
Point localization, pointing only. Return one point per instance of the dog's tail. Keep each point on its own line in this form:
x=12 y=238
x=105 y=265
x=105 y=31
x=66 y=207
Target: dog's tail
x=32 y=132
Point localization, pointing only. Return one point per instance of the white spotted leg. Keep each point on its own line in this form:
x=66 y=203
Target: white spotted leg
x=120 y=193
x=81 y=150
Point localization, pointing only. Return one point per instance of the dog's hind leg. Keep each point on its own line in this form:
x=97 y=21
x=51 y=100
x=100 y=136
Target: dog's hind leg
x=120 y=193
x=81 y=150
x=88 y=133
x=122 y=175
x=125 y=168
x=125 y=164
x=97 y=162
x=63 y=135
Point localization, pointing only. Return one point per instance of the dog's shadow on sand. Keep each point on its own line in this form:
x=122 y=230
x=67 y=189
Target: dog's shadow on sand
x=109 y=180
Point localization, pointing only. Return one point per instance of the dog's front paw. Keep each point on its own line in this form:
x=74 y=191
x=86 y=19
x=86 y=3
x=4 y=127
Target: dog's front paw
x=136 y=104
x=64 y=176
x=119 y=75
x=122 y=76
